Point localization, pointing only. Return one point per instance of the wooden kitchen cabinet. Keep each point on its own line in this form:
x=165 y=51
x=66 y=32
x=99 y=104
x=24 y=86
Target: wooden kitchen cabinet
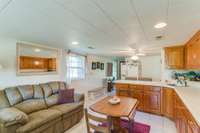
x=122 y=89
x=161 y=101
x=174 y=57
x=136 y=91
x=152 y=102
x=152 y=99
x=192 y=50
x=185 y=123
x=168 y=102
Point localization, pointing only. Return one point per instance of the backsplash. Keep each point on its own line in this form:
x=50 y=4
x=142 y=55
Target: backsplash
x=189 y=75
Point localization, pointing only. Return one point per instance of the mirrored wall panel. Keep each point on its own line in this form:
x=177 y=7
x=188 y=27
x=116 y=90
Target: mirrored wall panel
x=36 y=59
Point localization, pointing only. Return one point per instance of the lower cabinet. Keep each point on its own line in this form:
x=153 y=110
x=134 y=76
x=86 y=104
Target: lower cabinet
x=185 y=123
x=168 y=102
x=152 y=102
x=139 y=96
x=161 y=101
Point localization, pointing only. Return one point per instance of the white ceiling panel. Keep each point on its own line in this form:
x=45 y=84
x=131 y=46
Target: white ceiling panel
x=107 y=25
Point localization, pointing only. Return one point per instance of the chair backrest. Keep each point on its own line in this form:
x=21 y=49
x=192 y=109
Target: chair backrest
x=106 y=123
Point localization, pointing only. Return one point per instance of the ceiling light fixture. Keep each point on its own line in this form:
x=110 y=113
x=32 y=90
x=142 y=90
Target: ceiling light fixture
x=160 y=25
x=75 y=43
x=134 y=57
x=37 y=50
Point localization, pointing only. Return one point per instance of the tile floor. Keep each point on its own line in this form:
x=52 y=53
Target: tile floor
x=158 y=124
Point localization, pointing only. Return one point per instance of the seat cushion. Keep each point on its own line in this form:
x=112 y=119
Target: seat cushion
x=66 y=108
x=52 y=100
x=31 y=105
x=12 y=116
x=37 y=119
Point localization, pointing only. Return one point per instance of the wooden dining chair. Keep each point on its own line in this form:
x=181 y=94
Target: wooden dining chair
x=130 y=121
x=104 y=125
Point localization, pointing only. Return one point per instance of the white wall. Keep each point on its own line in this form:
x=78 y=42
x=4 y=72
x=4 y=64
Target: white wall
x=94 y=78
x=151 y=67
x=8 y=73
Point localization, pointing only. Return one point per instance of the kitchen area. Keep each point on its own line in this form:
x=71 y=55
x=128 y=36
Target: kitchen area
x=175 y=92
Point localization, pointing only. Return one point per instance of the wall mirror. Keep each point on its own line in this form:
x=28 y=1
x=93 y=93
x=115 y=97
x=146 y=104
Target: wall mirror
x=36 y=59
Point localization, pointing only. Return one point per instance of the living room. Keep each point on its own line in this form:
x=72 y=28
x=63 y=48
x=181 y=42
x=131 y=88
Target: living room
x=130 y=66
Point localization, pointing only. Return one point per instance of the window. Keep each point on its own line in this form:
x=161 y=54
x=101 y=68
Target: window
x=75 y=67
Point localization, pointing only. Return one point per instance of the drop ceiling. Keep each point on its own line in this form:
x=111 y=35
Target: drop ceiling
x=109 y=26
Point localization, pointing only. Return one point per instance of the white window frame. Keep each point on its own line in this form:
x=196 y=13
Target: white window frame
x=82 y=68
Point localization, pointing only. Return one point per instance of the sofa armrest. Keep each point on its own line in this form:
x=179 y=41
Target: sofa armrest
x=79 y=97
x=11 y=116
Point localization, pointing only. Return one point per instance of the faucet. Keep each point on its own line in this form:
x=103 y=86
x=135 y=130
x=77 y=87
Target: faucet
x=182 y=80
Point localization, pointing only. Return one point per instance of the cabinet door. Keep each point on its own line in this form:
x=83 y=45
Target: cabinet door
x=152 y=102
x=139 y=96
x=174 y=57
x=122 y=89
x=168 y=103
x=193 y=52
x=193 y=127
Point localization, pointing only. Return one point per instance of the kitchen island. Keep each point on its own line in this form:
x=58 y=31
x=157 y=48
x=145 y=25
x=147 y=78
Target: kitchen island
x=180 y=104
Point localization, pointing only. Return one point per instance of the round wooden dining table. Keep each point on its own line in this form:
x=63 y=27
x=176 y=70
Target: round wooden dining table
x=126 y=108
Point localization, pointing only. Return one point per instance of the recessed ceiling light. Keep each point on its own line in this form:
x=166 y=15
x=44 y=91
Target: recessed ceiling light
x=75 y=43
x=37 y=50
x=160 y=25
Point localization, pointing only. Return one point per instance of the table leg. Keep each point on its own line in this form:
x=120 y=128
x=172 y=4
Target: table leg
x=117 y=125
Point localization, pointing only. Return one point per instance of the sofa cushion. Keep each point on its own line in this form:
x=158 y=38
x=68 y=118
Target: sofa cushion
x=26 y=91
x=54 y=86
x=62 y=85
x=11 y=116
x=31 y=105
x=3 y=100
x=38 y=93
x=52 y=100
x=47 y=90
x=37 y=119
x=66 y=108
x=13 y=95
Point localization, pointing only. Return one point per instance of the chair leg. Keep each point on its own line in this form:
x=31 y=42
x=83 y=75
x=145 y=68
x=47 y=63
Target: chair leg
x=130 y=128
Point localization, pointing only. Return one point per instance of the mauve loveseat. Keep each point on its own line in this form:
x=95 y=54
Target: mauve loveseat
x=34 y=109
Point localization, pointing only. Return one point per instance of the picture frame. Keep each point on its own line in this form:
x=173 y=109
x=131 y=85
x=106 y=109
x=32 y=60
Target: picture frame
x=98 y=65
x=102 y=66
x=94 y=65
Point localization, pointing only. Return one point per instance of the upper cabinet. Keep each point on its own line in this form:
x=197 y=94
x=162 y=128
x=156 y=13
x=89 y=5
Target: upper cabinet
x=184 y=57
x=174 y=57
x=192 y=49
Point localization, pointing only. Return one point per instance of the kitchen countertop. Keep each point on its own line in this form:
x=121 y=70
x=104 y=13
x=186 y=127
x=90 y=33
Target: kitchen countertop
x=189 y=95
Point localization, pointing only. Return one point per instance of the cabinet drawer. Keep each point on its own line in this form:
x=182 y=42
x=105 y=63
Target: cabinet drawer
x=152 y=88
x=121 y=86
x=138 y=88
